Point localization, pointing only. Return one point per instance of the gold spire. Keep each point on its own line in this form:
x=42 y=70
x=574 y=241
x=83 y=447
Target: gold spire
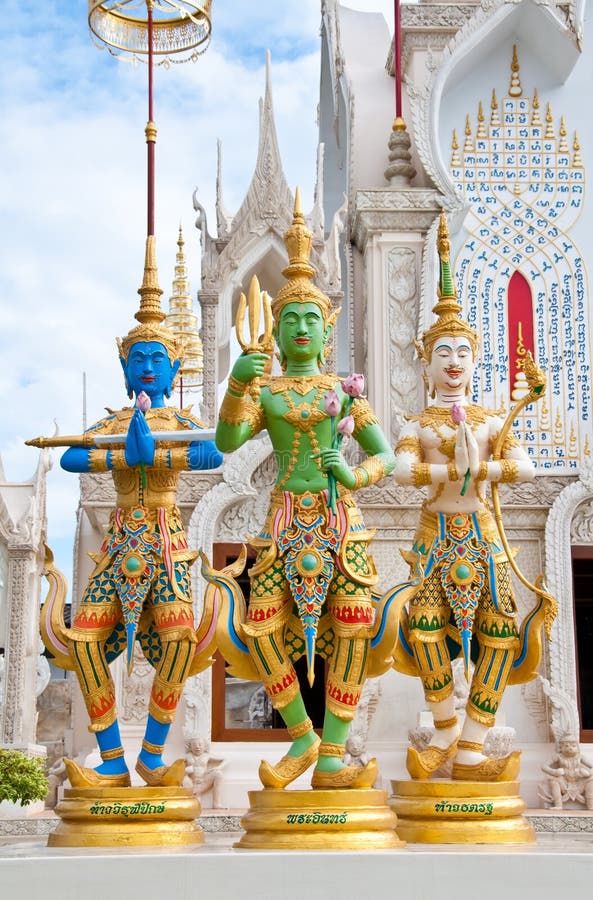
x=468 y=145
x=494 y=117
x=563 y=143
x=515 y=89
x=299 y=271
x=577 y=159
x=481 y=132
x=447 y=309
x=150 y=315
x=549 y=135
x=183 y=322
x=536 y=118
x=455 y=158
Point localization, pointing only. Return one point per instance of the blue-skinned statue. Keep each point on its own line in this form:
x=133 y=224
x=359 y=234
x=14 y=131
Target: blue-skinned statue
x=139 y=589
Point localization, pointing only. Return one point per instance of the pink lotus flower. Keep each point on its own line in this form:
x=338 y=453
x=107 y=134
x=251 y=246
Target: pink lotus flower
x=143 y=401
x=346 y=426
x=332 y=404
x=354 y=386
x=458 y=413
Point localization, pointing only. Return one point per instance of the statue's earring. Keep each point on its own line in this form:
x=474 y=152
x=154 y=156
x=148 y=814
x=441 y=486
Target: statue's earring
x=431 y=388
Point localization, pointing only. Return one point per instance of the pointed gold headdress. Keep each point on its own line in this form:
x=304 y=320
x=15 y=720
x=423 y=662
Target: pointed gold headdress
x=300 y=289
x=150 y=315
x=447 y=309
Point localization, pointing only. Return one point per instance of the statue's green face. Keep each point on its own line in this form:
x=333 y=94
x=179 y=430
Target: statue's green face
x=301 y=333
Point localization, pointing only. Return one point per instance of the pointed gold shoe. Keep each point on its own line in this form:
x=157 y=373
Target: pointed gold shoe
x=347 y=777
x=421 y=764
x=288 y=768
x=505 y=769
x=162 y=776
x=79 y=777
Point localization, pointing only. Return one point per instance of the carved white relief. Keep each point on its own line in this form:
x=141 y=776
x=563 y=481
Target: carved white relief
x=559 y=582
x=402 y=288
x=135 y=689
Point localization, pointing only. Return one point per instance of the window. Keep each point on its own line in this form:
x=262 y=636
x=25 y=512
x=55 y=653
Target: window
x=241 y=710
x=582 y=574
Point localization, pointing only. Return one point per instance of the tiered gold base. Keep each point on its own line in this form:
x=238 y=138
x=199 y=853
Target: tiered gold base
x=127 y=817
x=319 y=820
x=460 y=812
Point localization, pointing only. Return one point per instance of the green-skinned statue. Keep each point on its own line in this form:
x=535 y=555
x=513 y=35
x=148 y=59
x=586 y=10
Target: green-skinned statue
x=312 y=578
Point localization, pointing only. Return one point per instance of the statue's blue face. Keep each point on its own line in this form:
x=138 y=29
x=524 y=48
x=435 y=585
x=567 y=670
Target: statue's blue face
x=149 y=369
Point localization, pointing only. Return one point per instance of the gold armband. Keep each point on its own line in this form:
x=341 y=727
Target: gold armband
x=374 y=468
x=509 y=470
x=236 y=388
x=421 y=474
x=239 y=410
x=452 y=473
x=177 y=459
x=117 y=459
x=409 y=444
x=362 y=478
x=363 y=415
x=98 y=460
x=482 y=472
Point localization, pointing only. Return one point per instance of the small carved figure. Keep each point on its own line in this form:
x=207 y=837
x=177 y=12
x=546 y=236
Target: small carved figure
x=570 y=776
x=203 y=772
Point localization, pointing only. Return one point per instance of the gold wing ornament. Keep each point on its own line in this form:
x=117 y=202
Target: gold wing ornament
x=544 y=612
x=51 y=622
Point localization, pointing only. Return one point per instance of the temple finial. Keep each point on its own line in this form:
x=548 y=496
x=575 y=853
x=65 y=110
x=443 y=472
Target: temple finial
x=455 y=159
x=577 y=160
x=468 y=144
x=549 y=135
x=515 y=89
x=494 y=116
x=535 y=118
x=481 y=132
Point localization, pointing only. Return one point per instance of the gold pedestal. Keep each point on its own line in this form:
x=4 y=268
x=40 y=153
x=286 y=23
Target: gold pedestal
x=319 y=820
x=460 y=812
x=127 y=817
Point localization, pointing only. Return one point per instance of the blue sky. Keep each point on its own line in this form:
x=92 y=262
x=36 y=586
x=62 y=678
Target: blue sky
x=72 y=194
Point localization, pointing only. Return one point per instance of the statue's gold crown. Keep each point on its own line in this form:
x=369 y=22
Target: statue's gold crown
x=447 y=309
x=299 y=271
x=150 y=315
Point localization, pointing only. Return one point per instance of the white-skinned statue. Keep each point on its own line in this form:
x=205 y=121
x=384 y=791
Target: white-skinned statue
x=463 y=600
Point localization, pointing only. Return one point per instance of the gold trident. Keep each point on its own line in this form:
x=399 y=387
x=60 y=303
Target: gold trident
x=253 y=305
x=264 y=343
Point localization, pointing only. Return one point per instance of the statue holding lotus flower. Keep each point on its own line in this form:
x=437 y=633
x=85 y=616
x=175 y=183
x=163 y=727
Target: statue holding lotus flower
x=312 y=578
x=460 y=559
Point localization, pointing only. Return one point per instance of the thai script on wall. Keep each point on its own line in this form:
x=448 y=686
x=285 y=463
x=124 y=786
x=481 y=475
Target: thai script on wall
x=521 y=278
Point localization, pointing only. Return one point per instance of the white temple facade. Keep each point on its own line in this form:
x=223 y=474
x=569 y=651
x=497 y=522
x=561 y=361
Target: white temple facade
x=23 y=675
x=499 y=137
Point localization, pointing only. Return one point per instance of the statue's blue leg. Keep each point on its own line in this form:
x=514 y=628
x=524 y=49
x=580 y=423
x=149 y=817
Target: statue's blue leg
x=155 y=737
x=109 y=741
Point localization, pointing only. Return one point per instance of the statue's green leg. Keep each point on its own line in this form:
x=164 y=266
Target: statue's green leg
x=293 y=714
x=335 y=731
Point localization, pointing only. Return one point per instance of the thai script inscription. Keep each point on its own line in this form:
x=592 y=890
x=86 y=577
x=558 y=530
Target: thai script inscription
x=485 y=809
x=317 y=818
x=126 y=810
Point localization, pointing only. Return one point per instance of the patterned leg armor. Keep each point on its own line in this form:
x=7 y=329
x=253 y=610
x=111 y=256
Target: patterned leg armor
x=96 y=683
x=169 y=679
x=428 y=616
x=269 y=608
x=498 y=640
x=351 y=612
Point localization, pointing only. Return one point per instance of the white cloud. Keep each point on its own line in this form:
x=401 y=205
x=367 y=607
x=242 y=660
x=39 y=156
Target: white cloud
x=72 y=194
